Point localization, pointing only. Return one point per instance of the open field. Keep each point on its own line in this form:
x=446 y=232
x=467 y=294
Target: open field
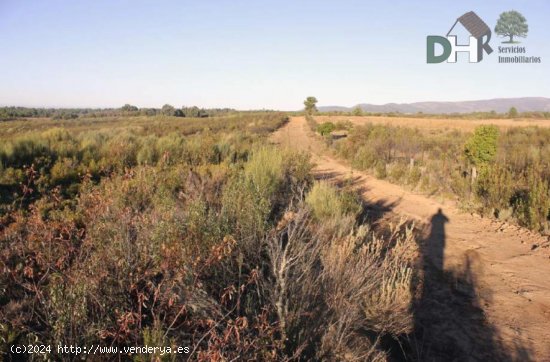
x=162 y=230
x=437 y=124
x=226 y=181
x=143 y=124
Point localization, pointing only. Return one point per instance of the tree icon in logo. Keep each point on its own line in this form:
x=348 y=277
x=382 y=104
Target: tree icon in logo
x=510 y=24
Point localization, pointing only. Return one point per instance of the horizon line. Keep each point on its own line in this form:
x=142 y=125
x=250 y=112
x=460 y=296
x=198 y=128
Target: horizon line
x=268 y=109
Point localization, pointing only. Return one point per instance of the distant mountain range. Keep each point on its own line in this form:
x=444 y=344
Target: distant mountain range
x=499 y=105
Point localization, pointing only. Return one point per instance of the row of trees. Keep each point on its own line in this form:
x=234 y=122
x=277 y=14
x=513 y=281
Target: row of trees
x=168 y=110
x=7 y=113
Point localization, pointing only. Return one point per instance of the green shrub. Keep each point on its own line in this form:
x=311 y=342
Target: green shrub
x=326 y=202
x=365 y=158
x=12 y=176
x=494 y=187
x=271 y=179
x=171 y=149
x=265 y=170
x=122 y=150
x=481 y=148
x=245 y=210
x=398 y=172
x=64 y=171
x=414 y=175
x=532 y=204
x=148 y=154
x=344 y=125
x=325 y=128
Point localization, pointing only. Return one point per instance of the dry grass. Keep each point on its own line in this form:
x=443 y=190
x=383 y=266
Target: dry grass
x=256 y=122
x=339 y=287
x=431 y=124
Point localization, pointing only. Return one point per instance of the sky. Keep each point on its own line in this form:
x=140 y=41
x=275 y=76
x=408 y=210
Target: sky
x=253 y=54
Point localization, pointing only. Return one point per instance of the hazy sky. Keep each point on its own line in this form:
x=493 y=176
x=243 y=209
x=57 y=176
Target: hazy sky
x=253 y=54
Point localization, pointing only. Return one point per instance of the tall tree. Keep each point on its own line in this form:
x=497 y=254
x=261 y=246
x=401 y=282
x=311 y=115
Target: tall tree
x=167 y=110
x=510 y=24
x=310 y=105
x=191 y=111
x=129 y=108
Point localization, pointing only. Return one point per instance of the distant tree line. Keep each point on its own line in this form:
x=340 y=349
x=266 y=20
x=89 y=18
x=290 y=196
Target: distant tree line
x=7 y=113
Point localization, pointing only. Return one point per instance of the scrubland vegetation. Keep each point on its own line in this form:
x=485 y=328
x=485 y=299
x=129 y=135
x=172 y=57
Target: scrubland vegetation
x=502 y=173
x=191 y=232
x=179 y=231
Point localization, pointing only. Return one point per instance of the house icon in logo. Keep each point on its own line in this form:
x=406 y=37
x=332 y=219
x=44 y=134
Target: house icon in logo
x=480 y=34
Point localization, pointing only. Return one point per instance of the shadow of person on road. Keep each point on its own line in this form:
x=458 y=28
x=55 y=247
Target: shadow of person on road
x=449 y=320
x=436 y=241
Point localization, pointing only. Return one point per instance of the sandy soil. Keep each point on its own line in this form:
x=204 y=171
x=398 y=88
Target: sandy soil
x=438 y=123
x=508 y=267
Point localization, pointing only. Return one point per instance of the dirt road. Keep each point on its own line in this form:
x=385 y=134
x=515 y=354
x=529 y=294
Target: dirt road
x=506 y=268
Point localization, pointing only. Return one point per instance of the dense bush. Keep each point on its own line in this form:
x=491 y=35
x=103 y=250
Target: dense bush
x=326 y=202
x=325 y=128
x=481 y=148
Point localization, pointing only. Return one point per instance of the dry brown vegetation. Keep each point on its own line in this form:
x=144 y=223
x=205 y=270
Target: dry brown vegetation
x=437 y=124
x=167 y=233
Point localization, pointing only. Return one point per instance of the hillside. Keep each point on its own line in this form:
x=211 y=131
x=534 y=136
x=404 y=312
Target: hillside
x=526 y=104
